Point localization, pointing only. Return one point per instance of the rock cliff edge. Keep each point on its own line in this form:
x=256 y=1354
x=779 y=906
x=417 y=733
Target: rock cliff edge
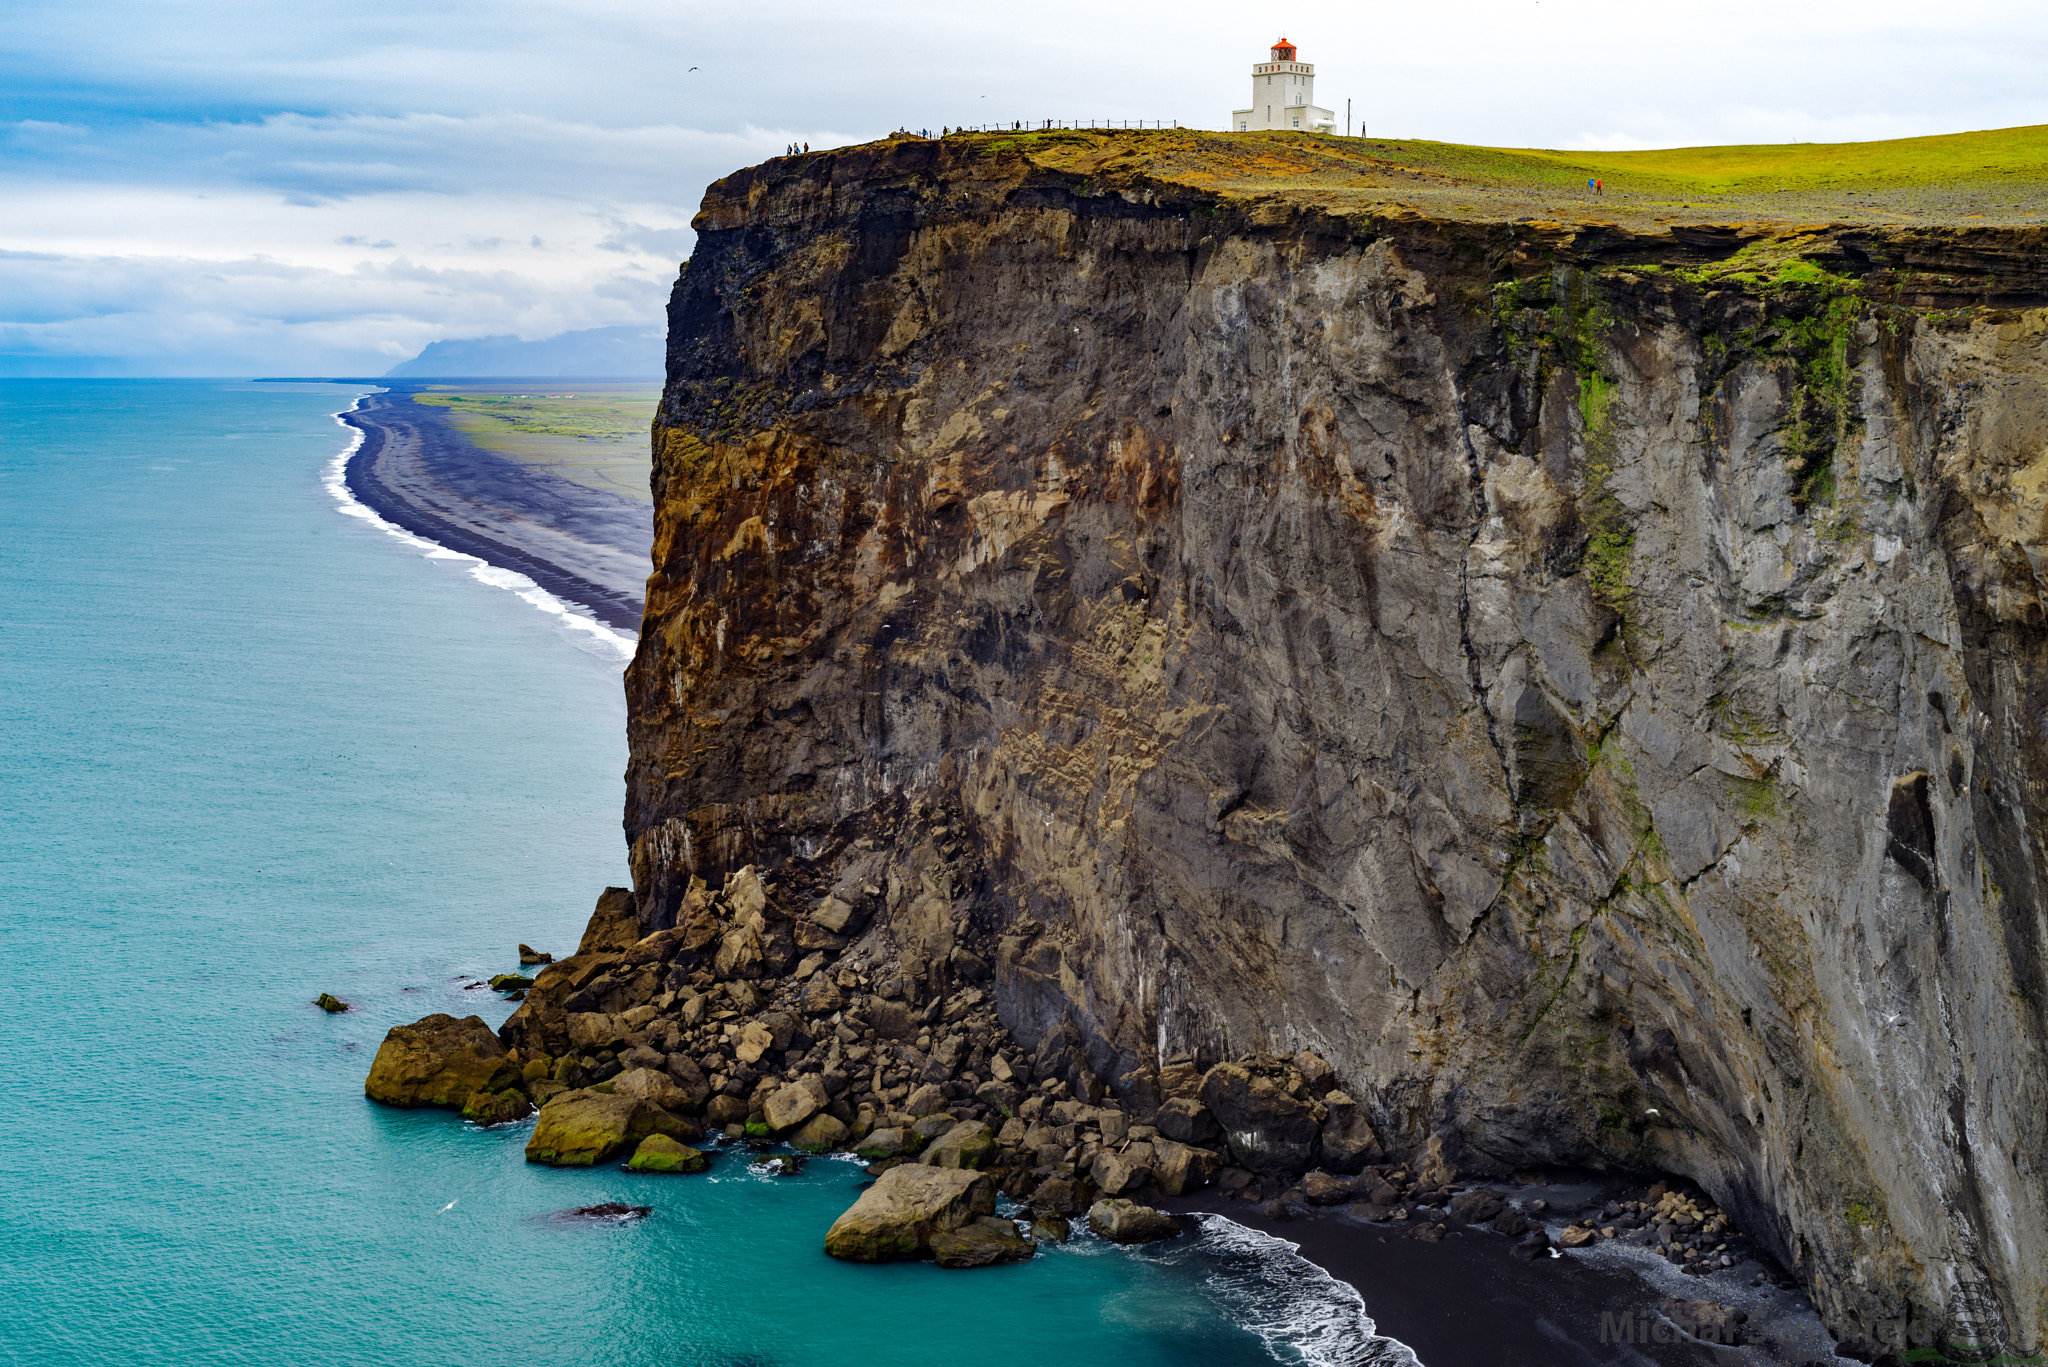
x=1587 y=683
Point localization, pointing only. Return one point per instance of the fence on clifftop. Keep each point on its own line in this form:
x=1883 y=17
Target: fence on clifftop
x=1041 y=125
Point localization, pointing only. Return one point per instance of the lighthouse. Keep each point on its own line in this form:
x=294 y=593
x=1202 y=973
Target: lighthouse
x=1283 y=96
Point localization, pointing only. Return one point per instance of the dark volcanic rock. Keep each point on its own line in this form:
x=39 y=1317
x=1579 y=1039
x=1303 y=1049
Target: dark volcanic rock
x=1269 y=1129
x=1586 y=676
x=439 y=1061
x=1127 y=1222
x=981 y=1243
x=610 y=1210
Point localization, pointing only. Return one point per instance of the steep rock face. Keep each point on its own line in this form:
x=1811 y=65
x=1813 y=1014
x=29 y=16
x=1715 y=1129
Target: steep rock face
x=1587 y=686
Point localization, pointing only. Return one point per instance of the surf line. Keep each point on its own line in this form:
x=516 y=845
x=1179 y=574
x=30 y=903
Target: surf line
x=1296 y=1308
x=574 y=616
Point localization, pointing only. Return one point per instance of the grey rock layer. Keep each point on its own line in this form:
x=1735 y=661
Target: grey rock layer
x=1588 y=687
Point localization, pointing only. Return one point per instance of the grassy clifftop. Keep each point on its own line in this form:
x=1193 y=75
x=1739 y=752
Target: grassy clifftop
x=1998 y=177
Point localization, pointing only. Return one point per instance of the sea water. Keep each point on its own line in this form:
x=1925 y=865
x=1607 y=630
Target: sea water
x=255 y=747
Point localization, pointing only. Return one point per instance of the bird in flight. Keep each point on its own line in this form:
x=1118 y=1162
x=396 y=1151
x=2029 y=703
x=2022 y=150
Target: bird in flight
x=693 y=68
x=445 y=1209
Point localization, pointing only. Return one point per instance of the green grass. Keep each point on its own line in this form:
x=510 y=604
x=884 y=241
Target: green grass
x=1997 y=176
x=593 y=434
x=1993 y=158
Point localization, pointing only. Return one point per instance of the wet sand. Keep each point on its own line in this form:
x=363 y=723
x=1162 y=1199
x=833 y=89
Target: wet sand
x=580 y=544
x=1465 y=1302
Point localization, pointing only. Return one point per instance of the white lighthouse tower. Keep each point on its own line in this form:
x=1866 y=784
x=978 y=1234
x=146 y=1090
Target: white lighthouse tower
x=1283 y=96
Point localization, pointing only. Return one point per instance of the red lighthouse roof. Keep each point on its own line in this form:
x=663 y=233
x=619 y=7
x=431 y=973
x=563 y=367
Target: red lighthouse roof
x=1283 y=51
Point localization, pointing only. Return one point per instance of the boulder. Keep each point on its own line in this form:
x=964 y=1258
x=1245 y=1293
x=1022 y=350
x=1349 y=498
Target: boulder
x=822 y=1133
x=1327 y=1189
x=643 y=1056
x=614 y=926
x=963 y=1146
x=684 y=1072
x=1348 y=1142
x=969 y=965
x=810 y=935
x=1127 y=1222
x=1049 y=1226
x=822 y=996
x=890 y=1142
x=330 y=1003
x=595 y=1030
x=746 y=894
x=1536 y=1244
x=935 y=1124
x=496 y=1108
x=1182 y=1080
x=981 y=1243
x=892 y=1020
x=529 y=956
x=439 y=1061
x=926 y=1100
x=1315 y=1071
x=788 y=1107
x=1065 y=1195
x=1000 y=1097
x=1474 y=1207
x=755 y=1040
x=648 y=1085
x=510 y=982
x=895 y=1219
x=1188 y=1121
x=1577 y=1236
x=725 y=1110
x=835 y=914
x=1269 y=1130
x=1182 y=1168
x=739 y=953
x=581 y=1128
x=1116 y=1173
x=659 y=1153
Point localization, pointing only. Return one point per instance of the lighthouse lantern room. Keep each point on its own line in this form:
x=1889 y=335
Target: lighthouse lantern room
x=1283 y=96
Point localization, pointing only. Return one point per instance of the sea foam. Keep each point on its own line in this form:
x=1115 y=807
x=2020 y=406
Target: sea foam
x=573 y=616
x=1298 y=1310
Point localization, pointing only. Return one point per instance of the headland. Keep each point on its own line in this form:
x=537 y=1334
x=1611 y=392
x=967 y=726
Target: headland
x=1183 y=662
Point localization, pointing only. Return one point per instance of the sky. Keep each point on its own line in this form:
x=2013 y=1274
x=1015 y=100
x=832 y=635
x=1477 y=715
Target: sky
x=254 y=187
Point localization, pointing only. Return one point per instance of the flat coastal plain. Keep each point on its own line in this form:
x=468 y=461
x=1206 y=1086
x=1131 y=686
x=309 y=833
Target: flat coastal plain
x=578 y=539
x=592 y=433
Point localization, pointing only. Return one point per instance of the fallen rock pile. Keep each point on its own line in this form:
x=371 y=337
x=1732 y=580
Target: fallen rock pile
x=748 y=1021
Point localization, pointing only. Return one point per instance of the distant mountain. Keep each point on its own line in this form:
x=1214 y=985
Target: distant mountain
x=626 y=353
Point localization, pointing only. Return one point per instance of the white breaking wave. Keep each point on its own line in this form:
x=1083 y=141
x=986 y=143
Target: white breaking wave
x=574 y=616
x=1300 y=1312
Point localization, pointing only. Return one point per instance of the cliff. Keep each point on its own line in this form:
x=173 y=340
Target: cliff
x=1584 y=680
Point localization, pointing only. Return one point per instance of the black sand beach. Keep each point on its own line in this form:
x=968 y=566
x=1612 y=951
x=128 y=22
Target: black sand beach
x=580 y=544
x=1465 y=1301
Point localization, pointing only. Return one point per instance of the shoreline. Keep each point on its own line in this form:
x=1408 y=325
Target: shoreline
x=583 y=546
x=1465 y=1301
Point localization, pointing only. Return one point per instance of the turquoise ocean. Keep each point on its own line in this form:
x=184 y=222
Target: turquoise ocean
x=254 y=746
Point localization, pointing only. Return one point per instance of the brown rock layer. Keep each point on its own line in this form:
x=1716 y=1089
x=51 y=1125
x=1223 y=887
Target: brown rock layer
x=1585 y=685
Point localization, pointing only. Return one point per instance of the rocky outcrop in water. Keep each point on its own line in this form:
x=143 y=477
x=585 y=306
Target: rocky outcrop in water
x=1581 y=683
